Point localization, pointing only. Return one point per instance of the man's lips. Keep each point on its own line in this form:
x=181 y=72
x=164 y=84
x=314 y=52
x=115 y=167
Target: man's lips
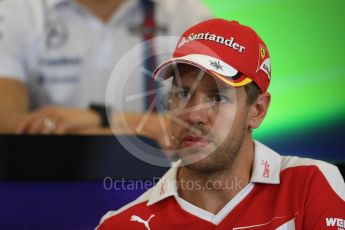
x=195 y=141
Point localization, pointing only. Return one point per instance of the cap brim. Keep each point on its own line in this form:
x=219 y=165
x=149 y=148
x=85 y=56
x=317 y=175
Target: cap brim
x=214 y=67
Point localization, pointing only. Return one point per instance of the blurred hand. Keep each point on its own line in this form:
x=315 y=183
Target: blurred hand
x=57 y=120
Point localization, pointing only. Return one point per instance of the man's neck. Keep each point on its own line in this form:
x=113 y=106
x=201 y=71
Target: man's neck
x=214 y=190
x=103 y=9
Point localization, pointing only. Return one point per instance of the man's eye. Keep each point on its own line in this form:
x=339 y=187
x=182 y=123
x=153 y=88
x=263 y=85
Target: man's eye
x=219 y=98
x=183 y=94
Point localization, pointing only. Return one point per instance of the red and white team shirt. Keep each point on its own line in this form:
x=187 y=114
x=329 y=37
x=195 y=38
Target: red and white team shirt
x=283 y=193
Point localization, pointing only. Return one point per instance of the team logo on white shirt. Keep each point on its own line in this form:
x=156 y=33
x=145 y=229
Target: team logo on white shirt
x=56 y=34
x=145 y=222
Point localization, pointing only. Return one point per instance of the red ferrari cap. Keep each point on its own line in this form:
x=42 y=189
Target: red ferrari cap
x=227 y=50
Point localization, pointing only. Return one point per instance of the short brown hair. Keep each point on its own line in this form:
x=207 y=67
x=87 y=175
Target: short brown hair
x=253 y=92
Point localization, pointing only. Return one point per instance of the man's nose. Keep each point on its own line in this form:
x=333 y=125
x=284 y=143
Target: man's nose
x=197 y=111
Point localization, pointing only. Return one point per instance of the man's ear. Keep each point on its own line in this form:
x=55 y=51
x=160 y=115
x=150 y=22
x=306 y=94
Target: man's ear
x=258 y=110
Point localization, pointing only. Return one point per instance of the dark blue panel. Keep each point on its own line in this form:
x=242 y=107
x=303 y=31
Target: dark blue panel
x=58 y=205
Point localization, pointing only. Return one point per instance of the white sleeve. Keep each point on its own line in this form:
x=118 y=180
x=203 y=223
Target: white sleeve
x=15 y=33
x=192 y=12
x=182 y=14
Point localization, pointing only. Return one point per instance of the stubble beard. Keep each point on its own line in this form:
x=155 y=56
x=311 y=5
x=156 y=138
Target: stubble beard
x=216 y=158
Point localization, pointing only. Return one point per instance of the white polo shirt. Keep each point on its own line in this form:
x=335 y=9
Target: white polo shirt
x=283 y=193
x=65 y=54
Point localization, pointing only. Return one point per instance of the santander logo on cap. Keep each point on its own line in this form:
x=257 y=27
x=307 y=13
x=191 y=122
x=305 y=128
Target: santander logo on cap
x=230 y=42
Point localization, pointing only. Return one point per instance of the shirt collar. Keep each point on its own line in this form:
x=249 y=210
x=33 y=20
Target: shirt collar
x=266 y=165
x=54 y=3
x=166 y=186
x=266 y=169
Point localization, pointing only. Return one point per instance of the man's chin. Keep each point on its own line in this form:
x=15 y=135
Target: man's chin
x=203 y=165
x=196 y=156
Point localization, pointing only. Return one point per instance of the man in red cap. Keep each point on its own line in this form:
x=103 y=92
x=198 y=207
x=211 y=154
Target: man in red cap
x=220 y=73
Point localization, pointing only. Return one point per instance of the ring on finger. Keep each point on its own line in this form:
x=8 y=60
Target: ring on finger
x=49 y=124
